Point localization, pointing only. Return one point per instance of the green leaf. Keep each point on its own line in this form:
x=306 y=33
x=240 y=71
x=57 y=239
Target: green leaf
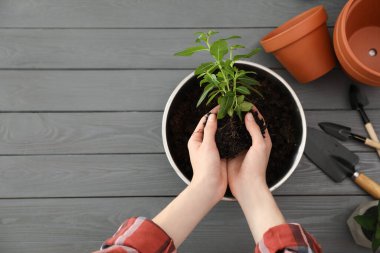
x=375 y=245
x=247 y=80
x=191 y=50
x=243 y=90
x=232 y=37
x=233 y=47
x=254 y=90
x=238 y=112
x=240 y=99
x=376 y=238
x=211 y=32
x=207 y=89
x=201 y=37
x=367 y=222
x=230 y=112
x=212 y=96
x=214 y=79
x=226 y=103
x=210 y=78
x=219 y=49
x=246 y=106
x=249 y=55
x=220 y=100
x=204 y=80
x=219 y=75
x=227 y=69
x=230 y=64
x=209 y=71
x=250 y=72
x=203 y=68
x=223 y=85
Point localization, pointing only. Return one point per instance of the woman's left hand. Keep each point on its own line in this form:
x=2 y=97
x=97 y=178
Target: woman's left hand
x=209 y=171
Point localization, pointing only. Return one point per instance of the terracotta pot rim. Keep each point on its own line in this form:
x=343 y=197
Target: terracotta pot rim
x=354 y=73
x=305 y=23
x=352 y=58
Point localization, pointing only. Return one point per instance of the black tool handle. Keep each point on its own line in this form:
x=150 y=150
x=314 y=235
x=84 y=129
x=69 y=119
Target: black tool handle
x=363 y=115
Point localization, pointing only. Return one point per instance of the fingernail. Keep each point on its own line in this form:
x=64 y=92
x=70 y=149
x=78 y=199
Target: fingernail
x=250 y=117
x=211 y=117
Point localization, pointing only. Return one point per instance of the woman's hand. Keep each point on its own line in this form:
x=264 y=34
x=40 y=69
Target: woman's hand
x=247 y=171
x=207 y=186
x=209 y=171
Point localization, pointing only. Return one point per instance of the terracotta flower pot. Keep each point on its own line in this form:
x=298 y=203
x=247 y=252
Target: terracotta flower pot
x=303 y=45
x=357 y=40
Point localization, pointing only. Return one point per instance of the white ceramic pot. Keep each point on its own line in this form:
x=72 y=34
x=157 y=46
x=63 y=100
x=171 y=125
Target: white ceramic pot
x=355 y=229
x=301 y=146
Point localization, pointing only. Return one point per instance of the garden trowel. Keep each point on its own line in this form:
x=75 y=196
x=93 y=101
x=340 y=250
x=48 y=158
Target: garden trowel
x=344 y=133
x=337 y=161
x=358 y=100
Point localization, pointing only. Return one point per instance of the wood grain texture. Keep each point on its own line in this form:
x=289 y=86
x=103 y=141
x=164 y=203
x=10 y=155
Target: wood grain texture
x=111 y=48
x=87 y=175
x=159 y=13
x=123 y=90
x=119 y=132
x=45 y=133
x=81 y=224
x=141 y=175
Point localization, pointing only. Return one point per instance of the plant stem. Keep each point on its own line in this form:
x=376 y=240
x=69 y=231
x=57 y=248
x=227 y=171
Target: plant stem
x=208 y=44
x=224 y=76
x=234 y=89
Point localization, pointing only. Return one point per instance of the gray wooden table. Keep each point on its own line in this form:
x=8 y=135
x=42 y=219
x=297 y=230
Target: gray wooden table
x=82 y=88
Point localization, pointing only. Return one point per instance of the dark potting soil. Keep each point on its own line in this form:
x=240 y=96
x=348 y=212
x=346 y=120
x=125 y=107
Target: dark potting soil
x=277 y=107
x=232 y=137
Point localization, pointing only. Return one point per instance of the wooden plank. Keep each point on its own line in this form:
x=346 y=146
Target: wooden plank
x=45 y=133
x=89 y=175
x=110 y=48
x=118 y=132
x=81 y=224
x=122 y=90
x=129 y=175
x=160 y=13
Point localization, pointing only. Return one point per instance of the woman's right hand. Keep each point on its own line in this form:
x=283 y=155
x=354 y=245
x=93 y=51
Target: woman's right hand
x=247 y=171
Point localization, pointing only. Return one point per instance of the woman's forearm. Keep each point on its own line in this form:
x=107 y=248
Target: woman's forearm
x=260 y=209
x=182 y=215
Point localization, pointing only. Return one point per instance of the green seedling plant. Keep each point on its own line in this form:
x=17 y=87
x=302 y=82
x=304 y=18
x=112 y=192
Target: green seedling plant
x=371 y=222
x=221 y=79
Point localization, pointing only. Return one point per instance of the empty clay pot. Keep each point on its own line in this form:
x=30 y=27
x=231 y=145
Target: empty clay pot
x=357 y=40
x=303 y=45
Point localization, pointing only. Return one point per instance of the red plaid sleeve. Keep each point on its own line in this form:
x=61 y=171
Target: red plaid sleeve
x=287 y=238
x=138 y=235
